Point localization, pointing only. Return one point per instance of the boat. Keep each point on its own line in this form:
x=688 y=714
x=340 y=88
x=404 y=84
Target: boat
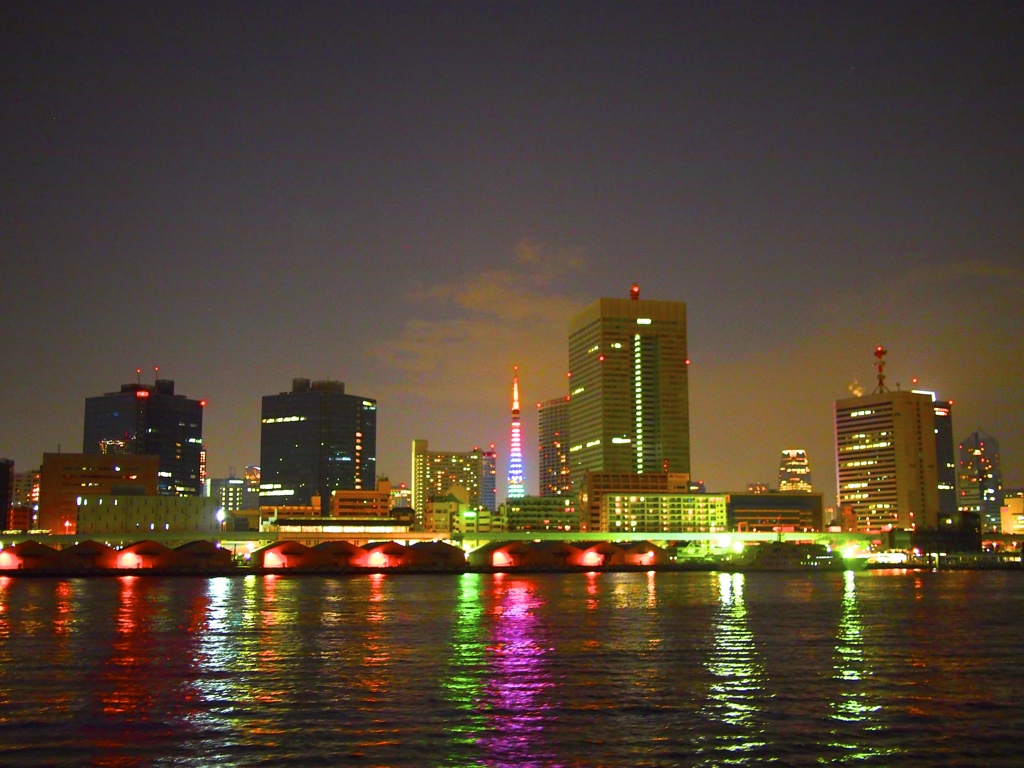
x=797 y=556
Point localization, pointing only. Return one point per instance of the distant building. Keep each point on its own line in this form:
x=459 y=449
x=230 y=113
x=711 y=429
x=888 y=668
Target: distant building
x=594 y=513
x=367 y=502
x=795 y=472
x=489 y=479
x=629 y=391
x=316 y=439
x=25 y=501
x=401 y=496
x=945 y=459
x=885 y=454
x=138 y=516
x=6 y=492
x=230 y=492
x=655 y=512
x=980 y=479
x=67 y=478
x=553 y=448
x=541 y=513
x=143 y=419
x=1012 y=516
x=760 y=512
x=435 y=472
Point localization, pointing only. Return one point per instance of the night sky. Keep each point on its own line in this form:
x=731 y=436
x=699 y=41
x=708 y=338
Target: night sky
x=412 y=198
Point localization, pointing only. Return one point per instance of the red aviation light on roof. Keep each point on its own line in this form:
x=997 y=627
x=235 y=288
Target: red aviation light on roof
x=202 y=403
x=141 y=393
x=634 y=291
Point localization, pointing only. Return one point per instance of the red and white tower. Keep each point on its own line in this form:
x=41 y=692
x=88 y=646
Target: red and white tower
x=516 y=486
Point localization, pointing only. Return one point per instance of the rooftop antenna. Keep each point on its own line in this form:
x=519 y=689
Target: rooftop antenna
x=156 y=372
x=138 y=375
x=880 y=353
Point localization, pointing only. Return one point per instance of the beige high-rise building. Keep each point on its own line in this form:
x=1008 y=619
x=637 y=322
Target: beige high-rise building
x=886 y=461
x=628 y=388
x=435 y=472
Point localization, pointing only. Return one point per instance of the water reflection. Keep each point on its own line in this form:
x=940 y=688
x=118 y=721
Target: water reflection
x=462 y=686
x=734 y=707
x=852 y=711
x=518 y=707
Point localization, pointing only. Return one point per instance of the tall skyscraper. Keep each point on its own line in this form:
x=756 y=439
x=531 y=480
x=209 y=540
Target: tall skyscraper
x=629 y=392
x=489 y=479
x=434 y=473
x=145 y=419
x=553 y=448
x=885 y=456
x=945 y=456
x=795 y=472
x=516 y=485
x=313 y=440
x=980 y=479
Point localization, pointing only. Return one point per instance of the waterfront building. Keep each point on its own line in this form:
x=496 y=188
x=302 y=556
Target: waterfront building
x=980 y=479
x=553 y=448
x=664 y=512
x=629 y=393
x=542 y=513
x=795 y=472
x=435 y=472
x=67 y=478
x=945 y=460
x=144 y=419
x=367 y=502
x=886 y=461
x=597 y=485
x=516 y=482
x=1012 y=515
x=316 y=439
x=252 y=487
x=25 y=501
x=138 y=517
x=759 y=512
x=230 y=492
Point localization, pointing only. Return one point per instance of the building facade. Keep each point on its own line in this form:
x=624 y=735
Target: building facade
x=596 y=485
x=553 y=447
x=628 y=390
x=316 y=439
x=795 y=472
x=980 y=479
x=945 y=460
x=434 y=473
x=886 y=464
x=137 y=516
x=542 y=513
x=67 y=478
x=144 y=419
x=761 y=512
x=664 y=513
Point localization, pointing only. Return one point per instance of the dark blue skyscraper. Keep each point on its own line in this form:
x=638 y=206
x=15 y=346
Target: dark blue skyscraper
x=314 y=440
x=151 y=420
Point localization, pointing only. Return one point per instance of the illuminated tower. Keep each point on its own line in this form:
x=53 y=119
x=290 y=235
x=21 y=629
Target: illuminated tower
x=795 y=472
x=516 y=488
x=629 y=393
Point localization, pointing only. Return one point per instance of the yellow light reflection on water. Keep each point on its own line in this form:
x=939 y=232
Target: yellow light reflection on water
x=735 y=697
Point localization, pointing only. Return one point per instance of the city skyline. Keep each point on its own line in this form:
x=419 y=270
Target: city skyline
x=412 y=198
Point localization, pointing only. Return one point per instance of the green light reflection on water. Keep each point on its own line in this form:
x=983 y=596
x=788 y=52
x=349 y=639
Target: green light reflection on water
x=463 y=686
x=852 y=711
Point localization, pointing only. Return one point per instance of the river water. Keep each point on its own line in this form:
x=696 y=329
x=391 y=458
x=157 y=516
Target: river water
x=884 y=668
